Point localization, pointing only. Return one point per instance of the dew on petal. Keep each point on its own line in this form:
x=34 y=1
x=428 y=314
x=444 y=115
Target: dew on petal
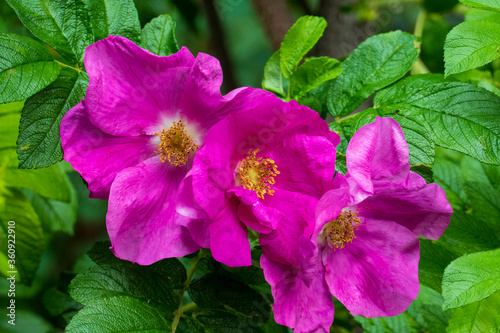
x=257 y=173
x=175 y=144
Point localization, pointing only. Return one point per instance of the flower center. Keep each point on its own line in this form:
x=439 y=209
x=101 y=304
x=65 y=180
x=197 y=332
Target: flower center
x=175 y=144
x=257 y=173
x=341 y=230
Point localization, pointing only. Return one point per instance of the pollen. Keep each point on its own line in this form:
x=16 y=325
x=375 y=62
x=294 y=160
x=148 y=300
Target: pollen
x=257 y=173
x=341 y=230
x=175 y=144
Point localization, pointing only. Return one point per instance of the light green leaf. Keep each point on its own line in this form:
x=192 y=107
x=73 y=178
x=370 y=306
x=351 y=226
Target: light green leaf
x=478 y=317
x=470 y=45
x=28 y=236
x=460 y=116
x=49 y=182
x=394 y=324
x=449 y=176
x=375 y=64
x=26 y=67
x=493 y=5
x=158 y=36
x=117 y=314
x=39 y=142
x=273 y=78
x=61 y=24
x=137 y=281
x=114 y=17
x=301 y=37
x=471 y=278
x=312 y=73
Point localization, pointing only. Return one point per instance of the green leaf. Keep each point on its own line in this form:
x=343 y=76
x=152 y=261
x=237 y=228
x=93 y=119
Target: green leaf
x=213 y=291
x=61 y=24
x=58 y=302
x=416 y=131
x=460 y=116
x=301 y=37
x=376 y=63
x=114 y=17
x=485 y=203
x=470 y=45
x=493 y=5
x=471 y=278
x=312 y=73
x=385 y=324
x=105 y=281
x=76 y=27
x=478 y=317
x=427 y=312
x=26 y=321
x=26 y=67
x=273 y=78
x=448 y=175
x=475 y=171
x=49 y=182
x=158 y=36
x=39 y=140
x=55 y=215
x=117 y=314
x=28 y=236
x=434 y=258
x=466 y=234
x=219 y=322
x=425 y=171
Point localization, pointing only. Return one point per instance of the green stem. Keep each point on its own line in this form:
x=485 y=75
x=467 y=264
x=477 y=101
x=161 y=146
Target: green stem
x=76 y=68
x=419 y=67
x=190 y=273
x=189 y=306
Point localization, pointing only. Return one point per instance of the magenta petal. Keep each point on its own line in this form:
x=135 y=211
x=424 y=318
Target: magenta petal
x=330 y=206
x=377 y=274
x=228 y=238
x=377 y=156
x=96 y=155
x=424 y=209
x=305 y=309
x=130 y=89
x=142 y=222
x=282 y=245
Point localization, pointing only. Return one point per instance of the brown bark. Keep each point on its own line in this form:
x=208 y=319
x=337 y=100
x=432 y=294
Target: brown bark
x=275 y=17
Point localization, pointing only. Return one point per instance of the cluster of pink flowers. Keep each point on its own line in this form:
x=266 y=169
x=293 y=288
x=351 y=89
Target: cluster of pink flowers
x=184 y=167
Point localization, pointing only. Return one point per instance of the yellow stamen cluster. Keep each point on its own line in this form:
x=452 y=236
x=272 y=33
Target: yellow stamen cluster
x=257 y=173
x=175 y=144
x=341 y=230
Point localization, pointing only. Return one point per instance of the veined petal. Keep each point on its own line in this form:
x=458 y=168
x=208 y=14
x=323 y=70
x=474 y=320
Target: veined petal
x=377 y=274
x=377 y=156
x=96 y=155
x=331 y=204
x=421 y=208
x=142 y=221
x=302 y=308
x=228 y=238
x=130 y=89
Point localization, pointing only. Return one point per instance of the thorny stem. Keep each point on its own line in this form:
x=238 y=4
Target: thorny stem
x=76 y=68
x=190 y=273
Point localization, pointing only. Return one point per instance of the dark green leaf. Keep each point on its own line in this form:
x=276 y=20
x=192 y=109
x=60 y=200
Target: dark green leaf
x=57 y=302
x=375 y=64
x=105 y=281
x=470 y=45
x=26 y=67
x=427 y=312
x=273 y=79
x=76 y=27
x=439 y=6
x=478 y=317
x=301 y=37
x=28 y=236
x=448 y=175
x=312 y=73
x=425 y=171
x=385 y=324
x=434 y=258
x=485 y=202
x=117 y=314
x=213 y=291
x=39 y=140
x=114 y=17
x=461 y=116
x=471 y=278
x=219 y=322
x=158 y=36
